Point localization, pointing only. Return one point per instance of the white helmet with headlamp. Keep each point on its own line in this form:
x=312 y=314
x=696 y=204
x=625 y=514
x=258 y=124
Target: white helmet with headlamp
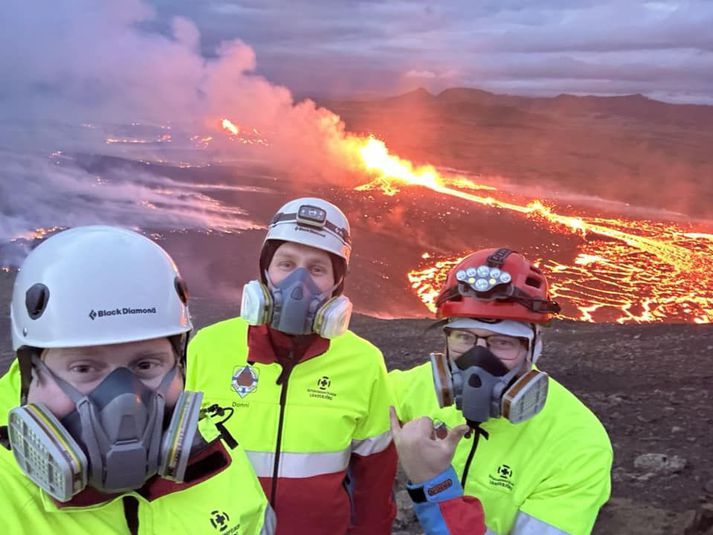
x=314 y=222
x=296 y=306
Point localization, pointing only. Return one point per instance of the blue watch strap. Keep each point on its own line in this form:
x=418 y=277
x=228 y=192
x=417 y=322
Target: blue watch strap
x=444 y=486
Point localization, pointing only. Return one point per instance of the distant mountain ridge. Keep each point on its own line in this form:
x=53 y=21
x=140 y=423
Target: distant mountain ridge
x=628 y=148
x=624 y=104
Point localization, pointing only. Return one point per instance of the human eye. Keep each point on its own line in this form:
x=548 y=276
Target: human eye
x=318 y=270
x=286 y=264
x=148 y=367
x=463 y=337
x=81 y=369
x=500 y=342
x=84 y=371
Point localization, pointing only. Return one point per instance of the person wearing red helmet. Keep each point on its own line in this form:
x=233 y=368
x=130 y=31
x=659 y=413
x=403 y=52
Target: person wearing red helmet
x=537 y=460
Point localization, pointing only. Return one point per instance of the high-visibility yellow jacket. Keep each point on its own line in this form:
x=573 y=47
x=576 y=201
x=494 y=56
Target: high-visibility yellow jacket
x=223 y=498
x=306 y=423
x=549 y=474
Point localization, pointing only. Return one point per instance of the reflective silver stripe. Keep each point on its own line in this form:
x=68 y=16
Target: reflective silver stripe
x=299 y=464
x=269 y=524
x=529 y=525
x=368 y=446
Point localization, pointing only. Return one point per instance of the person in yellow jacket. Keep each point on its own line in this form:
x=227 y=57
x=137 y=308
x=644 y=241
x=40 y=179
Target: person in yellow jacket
x=103 y=437
x=537 y=461
x=310 y=399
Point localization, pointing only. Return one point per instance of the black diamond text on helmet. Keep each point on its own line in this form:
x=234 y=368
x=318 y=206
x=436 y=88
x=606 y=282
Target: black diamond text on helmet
x=125 y=311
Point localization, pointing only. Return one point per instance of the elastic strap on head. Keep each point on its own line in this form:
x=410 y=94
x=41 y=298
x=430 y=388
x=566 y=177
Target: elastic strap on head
x=497 y=259
x=71 y=392
x=76 y=396
x=539 y=306
x=179 y=343
x=24 y=360
x=166 y=381
x=339 y=268
x=448 y=295
x=339 y=265
x=340 y=232
x=513 y=294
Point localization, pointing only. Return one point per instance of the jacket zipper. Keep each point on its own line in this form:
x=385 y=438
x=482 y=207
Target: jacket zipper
x=282 y=379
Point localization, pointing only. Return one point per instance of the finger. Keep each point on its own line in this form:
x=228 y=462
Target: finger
x=395 y=424
x=423 y=426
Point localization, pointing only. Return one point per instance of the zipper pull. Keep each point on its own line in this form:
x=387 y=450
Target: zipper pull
x=287 y=366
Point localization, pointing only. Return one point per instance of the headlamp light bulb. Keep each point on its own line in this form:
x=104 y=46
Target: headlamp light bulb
x=482 y=285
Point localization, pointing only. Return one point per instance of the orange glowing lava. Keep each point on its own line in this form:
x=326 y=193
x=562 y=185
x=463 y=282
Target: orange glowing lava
x=163 y=138
x=230 y=126
x=36 y=234
x=244 y=135
x=626 y=270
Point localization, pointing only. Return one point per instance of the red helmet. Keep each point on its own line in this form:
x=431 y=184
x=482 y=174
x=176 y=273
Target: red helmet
x=496 y=284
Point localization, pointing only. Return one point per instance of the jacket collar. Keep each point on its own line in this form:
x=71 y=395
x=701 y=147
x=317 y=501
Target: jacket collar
x=267 y=345
x=203 y=465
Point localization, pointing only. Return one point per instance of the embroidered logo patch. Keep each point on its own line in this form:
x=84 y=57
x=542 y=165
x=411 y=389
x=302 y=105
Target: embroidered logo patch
x=220 y=520
x=244 y=380
x=322 y=391
x=502 y=477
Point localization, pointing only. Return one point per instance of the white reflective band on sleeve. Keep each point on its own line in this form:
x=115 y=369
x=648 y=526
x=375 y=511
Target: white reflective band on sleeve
x=299 y=464
x=369 y=446
x=270 y=524
x=529 y=525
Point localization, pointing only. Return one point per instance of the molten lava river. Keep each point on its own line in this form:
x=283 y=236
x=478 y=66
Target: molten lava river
x=626 y=270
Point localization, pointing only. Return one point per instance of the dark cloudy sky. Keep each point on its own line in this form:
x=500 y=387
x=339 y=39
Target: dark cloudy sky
x=660 y=48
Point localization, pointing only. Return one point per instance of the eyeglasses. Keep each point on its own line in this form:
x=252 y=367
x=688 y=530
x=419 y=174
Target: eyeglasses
x=461 y=341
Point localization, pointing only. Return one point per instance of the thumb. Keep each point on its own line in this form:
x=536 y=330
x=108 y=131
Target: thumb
x=455 y=434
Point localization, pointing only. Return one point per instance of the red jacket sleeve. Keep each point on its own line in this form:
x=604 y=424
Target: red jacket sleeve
x=442 y=509
x=371 y=484
x=463 y=516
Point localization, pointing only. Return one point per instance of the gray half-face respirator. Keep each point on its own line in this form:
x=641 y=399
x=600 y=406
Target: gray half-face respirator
x=113 y=441
x=482 y=387
x=296 y=306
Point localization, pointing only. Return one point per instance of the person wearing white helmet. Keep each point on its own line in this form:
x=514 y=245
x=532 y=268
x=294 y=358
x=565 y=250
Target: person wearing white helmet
x=538 y=461
x=103 y=437
x=311 y=398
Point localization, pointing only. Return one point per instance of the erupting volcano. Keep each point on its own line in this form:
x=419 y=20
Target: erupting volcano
x=602 y=266
x=208 y=189
x=623 y=269
x=626 y=270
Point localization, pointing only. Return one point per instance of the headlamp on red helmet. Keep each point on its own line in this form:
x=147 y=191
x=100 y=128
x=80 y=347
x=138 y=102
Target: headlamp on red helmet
x=497 y=284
